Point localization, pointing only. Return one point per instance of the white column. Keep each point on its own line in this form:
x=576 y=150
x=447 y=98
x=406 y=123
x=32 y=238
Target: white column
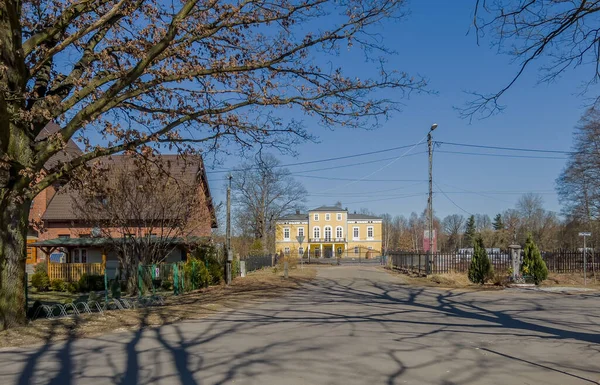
x=321 y=252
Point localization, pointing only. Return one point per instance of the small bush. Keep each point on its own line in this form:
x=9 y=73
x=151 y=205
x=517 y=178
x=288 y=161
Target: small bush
x=533 y=264
x=166 y=284
x=115 y=288
x=91 y=283
x=196 y=274
x=31 y=312
x=40 y=268
x=58 y=285
x=235 y=268
x=93 y=297
x=73 y=287
x=481 y=268
x=40 y=280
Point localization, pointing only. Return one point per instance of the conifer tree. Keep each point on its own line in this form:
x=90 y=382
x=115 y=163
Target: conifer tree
x=481 y=268
x=498 y=224
x=470 y=230
x=533 y=264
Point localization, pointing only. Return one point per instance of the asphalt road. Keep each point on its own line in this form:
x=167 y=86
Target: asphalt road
x=352 y=325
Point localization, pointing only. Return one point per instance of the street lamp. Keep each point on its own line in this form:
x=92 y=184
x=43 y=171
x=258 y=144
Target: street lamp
x=430 y=200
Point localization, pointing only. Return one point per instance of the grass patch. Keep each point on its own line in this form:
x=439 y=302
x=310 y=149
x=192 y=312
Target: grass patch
x=571 y=279
x=255 y=288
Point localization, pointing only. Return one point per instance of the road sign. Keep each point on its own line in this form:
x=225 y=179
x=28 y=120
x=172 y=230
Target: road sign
x=300 y=239
x=585 y=234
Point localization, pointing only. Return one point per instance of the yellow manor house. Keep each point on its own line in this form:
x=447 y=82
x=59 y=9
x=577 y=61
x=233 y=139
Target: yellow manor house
x=329 y=231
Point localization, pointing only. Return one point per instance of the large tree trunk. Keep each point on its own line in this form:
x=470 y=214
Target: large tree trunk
x=15 y=160
x=13 y=244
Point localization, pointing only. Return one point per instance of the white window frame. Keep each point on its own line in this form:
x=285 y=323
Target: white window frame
x=356 y=250
x=317 y=234
x=300 y=231
x=316 y=217
x=371 y=229
x=327 y=217
x=339 y=216
x=339 y=232
x=370 y=248
x=286 y=251
x=356 y=233
x=325 y=229
x=286 y=229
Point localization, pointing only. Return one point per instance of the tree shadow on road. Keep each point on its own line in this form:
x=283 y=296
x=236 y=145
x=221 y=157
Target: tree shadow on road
x=316 y=333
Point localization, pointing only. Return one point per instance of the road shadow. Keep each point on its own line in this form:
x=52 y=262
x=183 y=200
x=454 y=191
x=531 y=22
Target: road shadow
x=316 y=332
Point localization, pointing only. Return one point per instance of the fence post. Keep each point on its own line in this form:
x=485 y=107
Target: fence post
x=193 y=275
x=153 y=274
x=26 y=295
x=105 y=288
x=140 y=279
x=182 y=273
x=176 y=279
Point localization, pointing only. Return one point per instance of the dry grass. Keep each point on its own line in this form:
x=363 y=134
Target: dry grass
x=571 y=280
x=448 y=281
x=255 y=288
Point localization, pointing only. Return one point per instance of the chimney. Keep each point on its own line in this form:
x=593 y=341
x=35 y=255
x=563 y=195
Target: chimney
x=297 y=212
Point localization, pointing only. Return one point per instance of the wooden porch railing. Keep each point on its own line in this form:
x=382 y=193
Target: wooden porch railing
x=71 y=272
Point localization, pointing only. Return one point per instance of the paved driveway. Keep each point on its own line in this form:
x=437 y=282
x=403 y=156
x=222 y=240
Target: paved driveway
x=352 y=325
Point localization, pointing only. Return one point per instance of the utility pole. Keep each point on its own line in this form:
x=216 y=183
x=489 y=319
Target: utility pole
x=228 y=236
x=430 y=200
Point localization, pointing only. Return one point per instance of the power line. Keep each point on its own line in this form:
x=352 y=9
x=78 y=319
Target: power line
x=502 y=155
x=447 y=197
x=387 y=199
x=321 y=160
x=364 y=180
x=379 y=169
x=376 y=193
x=353 y=164
x=505 y=148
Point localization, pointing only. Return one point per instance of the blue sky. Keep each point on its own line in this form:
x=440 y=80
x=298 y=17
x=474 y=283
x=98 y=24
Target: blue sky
x=433 y=41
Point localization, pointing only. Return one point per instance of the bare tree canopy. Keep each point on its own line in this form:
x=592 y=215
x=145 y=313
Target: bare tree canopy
x=578 y=185
x=560 y=35
x=143 y=209
x=263 y=192
x=188 y=75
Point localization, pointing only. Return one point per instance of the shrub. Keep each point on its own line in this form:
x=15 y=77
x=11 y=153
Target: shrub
x=196 y=274
x=166 y=284
x=533 y=264
x=93 y=297
x=480 y=269
x=41 y=268
x=58 y=285
x=115 y=288
x=31 y=312
x=235 y=268
x=91 y=283
x=40 y=280
x=73 y=287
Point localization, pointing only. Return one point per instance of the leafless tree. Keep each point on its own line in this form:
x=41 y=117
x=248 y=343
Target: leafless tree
x=263 y=191
x=142 y=209
x=453 y=226
x=560 y=35
x=186 y=75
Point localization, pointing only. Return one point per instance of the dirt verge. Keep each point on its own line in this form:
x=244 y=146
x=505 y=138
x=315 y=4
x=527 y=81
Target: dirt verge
x=255 y=288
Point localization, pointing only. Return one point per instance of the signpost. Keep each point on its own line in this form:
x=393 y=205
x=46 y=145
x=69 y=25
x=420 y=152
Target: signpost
x=300 y=239
x=585 y=234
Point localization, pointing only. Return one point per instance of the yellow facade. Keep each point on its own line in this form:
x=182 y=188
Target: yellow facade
x=329 y=232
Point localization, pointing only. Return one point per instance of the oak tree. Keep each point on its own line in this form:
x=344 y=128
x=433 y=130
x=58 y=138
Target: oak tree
x=141 y=75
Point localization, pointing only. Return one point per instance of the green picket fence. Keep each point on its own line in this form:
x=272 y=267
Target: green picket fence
x=179 y=277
